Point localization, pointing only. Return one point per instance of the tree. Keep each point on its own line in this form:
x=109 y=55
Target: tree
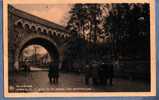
x=129 y=27
x=87 y=20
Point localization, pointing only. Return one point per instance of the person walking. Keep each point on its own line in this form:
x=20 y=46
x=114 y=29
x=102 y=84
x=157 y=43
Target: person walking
x=103 y=74
x=53 y=73
x=26 y=68
x=56 y=74
x=111 y=73
x=50 y=72
x=87 y=74
x=95 y=73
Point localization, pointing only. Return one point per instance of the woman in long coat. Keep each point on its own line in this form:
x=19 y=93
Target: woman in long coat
x=50 y=72
x=53 y=73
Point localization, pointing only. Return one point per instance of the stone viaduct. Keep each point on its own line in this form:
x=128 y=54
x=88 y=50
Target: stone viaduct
x=25 y=29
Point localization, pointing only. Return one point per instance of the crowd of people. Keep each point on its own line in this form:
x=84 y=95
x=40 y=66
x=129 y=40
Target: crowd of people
x=99 y=74
x=93 y=73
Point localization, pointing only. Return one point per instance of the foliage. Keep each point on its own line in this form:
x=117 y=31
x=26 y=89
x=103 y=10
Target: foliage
x=86 y=19
x=129 y=25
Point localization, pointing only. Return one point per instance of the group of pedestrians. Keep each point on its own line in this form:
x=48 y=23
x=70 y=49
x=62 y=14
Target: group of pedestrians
x=94 y=73
x=99 y=74
x=53 y=73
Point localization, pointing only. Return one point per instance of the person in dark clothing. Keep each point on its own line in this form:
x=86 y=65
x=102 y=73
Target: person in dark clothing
x=56 y=74
x=103 y=74
x=53 y=73
x=50 y=72
x=87 y=74
x=95 y=74
x=111 y=73
x=26 y=69
x=106 y=73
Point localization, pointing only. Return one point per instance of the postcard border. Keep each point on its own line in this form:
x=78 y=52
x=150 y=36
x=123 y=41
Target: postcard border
x=83 y=94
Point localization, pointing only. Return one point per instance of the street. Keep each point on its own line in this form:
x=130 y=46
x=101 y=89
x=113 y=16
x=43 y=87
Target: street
x=38 y=81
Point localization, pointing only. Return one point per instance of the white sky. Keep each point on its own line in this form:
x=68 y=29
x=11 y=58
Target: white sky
x=29 y=51
x=58 y=13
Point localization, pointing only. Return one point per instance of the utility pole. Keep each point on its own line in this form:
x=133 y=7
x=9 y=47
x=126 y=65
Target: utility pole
x=34 y=56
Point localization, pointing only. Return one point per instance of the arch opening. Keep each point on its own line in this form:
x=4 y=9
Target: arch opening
x=49 y=47
x=26 y=27
x=39 y=30
x=35 y=56
x=33 y=28
x=19 y=24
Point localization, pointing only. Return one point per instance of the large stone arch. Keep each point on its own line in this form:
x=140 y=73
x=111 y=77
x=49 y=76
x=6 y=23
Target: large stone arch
x=42 y=40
